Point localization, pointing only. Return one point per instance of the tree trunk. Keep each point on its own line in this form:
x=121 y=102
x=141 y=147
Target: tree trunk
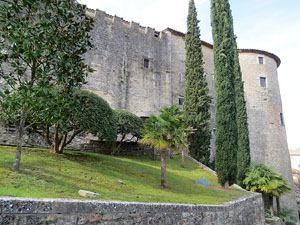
x=55 y=148
x=182 y=158
x=154 y=155
x=271 y=205
x=61 y=148
x=21 y=130
x=63 y=143
x=163 y=156
x=171 y=154
x=278 y=206
x=226 y=185
x=117 y=147
x=114 y=148
x=266 y=200
x=56 y=145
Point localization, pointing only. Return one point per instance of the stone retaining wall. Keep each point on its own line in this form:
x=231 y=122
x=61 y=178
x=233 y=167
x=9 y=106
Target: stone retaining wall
x=243 y=211
x=127 y=148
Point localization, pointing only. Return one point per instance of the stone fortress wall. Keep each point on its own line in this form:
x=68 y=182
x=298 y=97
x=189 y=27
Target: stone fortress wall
x=141 y=70
x=268 y=141
x=122 y=79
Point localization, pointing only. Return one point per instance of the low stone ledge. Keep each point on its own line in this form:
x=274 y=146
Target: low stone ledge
x=24 y=205
x=247 y=210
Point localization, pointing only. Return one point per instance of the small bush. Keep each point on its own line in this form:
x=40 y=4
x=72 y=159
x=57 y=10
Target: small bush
x=128 y=124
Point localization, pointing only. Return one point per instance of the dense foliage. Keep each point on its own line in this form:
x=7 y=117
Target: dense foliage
x=196 y=100
x=128 y=124
x=226 y=126
x=243 y=153
x=41 y=44
x=63 y=117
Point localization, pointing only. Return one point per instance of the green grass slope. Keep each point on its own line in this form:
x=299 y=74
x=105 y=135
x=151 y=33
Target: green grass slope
x=45 y=175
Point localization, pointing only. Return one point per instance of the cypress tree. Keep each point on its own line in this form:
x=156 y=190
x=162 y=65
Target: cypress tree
x=226 y=126
x=197 y=100
x=243 y=153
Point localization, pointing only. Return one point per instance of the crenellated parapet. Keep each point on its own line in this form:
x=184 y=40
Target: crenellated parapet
x=120 y=22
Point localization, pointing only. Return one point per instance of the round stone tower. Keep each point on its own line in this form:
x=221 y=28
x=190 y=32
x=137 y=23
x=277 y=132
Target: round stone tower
x=267 y=132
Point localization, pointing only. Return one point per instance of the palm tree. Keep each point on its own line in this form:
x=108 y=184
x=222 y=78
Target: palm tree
x=177 y=129
x=154 y=134
x=166 y=131
x=263 y=179
x=278 y=189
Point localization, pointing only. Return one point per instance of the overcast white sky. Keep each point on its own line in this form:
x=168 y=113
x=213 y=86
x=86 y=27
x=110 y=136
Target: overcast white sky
x=271 y=25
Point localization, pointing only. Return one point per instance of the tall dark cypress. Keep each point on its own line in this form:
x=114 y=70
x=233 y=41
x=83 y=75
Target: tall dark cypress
x=226 y=126
x=243 y=153
x=196 y=100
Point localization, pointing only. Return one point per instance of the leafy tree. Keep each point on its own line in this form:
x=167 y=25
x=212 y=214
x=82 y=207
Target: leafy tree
x=165 y=131
x=15 y=107
x=63 y=117
x=127 y=124
x=226 y=126
x=243 y=153
x=42 y=43
x=263 y=179
x=196 y=100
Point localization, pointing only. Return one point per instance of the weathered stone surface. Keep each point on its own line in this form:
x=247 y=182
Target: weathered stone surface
x=121 y=182
x=15 y=206
x=88 y=194
x=274 y=221
x=244 y=211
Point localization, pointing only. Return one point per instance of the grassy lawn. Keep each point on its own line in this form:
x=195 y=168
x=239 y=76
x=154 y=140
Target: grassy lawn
x=46 y=175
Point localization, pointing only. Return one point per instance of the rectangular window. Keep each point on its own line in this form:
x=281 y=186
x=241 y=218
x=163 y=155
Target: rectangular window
x=261 y=60
x=180 y=100
x=281 y=119
x=263 y=81
x=146 y=63
x=144 y=118
x=180 y=76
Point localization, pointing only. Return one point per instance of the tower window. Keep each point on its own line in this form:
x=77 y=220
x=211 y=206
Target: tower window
x=260 y=60
x=146 y=63
x=281 y=119
x=180 y=76
x=263 y=81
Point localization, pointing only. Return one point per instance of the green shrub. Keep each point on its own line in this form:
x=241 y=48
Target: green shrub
x=64 y=116
x=127 y=124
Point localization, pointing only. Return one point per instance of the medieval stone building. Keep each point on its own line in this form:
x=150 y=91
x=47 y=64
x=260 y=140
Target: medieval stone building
x=140 y=70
